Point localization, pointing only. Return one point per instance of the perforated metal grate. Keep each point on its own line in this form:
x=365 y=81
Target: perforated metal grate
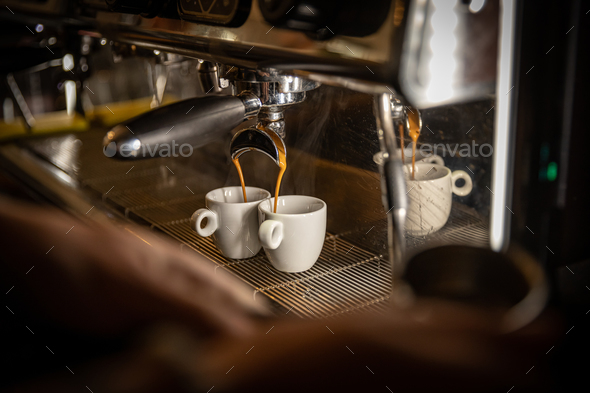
x=344 y=278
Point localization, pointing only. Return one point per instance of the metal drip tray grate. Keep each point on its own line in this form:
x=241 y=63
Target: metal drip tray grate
x=464 y=226
x=345 y=277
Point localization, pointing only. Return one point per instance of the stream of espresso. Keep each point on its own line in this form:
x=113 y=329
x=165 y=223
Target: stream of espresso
x=282 y=165
x=401 y=134
x=239 y=168
x=414 y=120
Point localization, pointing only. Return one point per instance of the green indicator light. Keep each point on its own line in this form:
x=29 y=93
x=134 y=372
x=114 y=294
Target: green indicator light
x=552 y=171
x=542 y=174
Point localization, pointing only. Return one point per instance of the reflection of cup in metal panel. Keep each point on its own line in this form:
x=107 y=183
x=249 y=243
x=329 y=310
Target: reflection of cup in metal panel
x=430 y=196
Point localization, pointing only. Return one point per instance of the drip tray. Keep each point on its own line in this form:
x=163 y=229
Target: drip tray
x=345 y=278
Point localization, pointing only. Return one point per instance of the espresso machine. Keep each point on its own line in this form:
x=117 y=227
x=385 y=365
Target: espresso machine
x=336 y=81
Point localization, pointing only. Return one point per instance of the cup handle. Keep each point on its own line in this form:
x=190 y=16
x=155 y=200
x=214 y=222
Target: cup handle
x=435 y=159
x=198 y=217
x=271 y=234
x=466 y=188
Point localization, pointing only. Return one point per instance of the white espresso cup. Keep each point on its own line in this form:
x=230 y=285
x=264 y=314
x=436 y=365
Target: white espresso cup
x=233 y=223
x=430 y=196
x=292 y=237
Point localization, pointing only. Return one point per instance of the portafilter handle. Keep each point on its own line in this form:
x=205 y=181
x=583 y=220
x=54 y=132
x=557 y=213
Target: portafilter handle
x=196 y=121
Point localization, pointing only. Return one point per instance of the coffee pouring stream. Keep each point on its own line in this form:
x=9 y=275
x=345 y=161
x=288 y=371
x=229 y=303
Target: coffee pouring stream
x=409 y=121
x=264 y=140
x=414 y=127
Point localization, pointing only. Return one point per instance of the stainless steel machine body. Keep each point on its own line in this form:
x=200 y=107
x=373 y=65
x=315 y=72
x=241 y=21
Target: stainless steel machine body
x=323 y=84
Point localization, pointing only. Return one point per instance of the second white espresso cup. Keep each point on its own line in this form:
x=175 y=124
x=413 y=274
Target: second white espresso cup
x=430 y=196
x=292 y=237
x=233 y=223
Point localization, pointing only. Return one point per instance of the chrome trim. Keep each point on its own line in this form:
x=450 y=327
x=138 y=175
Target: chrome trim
x=273 y=88
x=393 y=185
x=504 y=121
x=252 y=103
x=443 y=60
x=272 y=118
x=209 y=77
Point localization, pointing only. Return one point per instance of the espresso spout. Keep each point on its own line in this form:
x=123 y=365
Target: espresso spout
x=256 y=139
x=406 y=115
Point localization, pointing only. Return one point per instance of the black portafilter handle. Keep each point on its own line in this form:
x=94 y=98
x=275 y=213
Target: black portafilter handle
x=194 y=122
